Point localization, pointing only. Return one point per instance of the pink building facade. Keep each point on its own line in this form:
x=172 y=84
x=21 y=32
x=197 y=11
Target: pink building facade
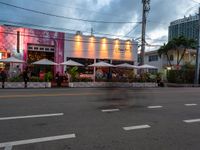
x=32 y=41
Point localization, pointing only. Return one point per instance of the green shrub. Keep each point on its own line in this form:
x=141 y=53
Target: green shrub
x=74 y=73
x=15 y=79
x=184 y=75
x=36 y=79
x=48 y=77
x=181 y=76
x=83 y=79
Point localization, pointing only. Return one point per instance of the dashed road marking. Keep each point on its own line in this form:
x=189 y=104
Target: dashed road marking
x=109 y=110
x=191 y=120
x=8 y=148
x=8 y=145
x=153 y=107
x=136 y=127
x=190 y=104
x=31 y=116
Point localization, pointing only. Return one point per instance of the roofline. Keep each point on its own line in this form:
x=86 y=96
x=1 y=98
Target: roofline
x=61 y=31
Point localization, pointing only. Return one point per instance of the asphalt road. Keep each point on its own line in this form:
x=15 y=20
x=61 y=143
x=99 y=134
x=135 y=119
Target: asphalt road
x=100 y=119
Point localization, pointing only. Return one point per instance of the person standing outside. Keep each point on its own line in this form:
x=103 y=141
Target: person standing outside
x=18 y=71
x=25 y=77
x=3 y=77
x=58 y=79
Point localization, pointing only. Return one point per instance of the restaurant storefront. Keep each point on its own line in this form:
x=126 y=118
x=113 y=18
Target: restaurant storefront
x=32 y=45
x=90 y=49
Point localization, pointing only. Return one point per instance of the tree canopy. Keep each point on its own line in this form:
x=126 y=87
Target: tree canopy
x=180 y=45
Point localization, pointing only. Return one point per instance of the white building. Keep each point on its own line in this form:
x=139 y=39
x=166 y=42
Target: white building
x=152 y=58
x=90 y=49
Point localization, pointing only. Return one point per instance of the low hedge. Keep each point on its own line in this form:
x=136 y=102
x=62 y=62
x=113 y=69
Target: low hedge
x=181 y=76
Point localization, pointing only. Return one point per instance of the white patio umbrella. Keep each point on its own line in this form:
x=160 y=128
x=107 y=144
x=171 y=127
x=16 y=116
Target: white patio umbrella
x=145 y=66
x=71 y=63
x=126 y=65
x=101 y=64
x=44 y=62
x=11 y=60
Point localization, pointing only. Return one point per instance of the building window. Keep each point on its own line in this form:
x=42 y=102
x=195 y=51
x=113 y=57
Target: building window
x=41 y=48
x=171 y=58
x=46 y=49
x=153 y=58
x=3 y=55
x=30 y=47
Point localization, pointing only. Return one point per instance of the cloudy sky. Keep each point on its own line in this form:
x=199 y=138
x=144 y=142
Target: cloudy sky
x=161 y=14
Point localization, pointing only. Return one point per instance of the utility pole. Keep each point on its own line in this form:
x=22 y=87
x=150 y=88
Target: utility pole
x=197 y=55
x=146 y=9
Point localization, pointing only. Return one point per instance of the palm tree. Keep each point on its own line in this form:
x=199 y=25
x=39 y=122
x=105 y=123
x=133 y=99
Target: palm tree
x=163 y=50
x=180 y=45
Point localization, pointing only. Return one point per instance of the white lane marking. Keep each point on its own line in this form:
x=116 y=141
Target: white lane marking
x=152 y=107
x=136 y=127
x=31 y=116
x=109 y=110
x=191 y=120
x=37 y=140
x=190 y=104
x=8 y=148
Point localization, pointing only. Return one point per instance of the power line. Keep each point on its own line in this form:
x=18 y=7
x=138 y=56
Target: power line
x=56 y=28
x=66 y=39
x=152 y=45
x=79 y=8
x=131 y=30
x=156 y=22
x=35 y=25
x=196 y=1
x=69 y=18
x=148 y=37
x=188 y=10
x=107 y=34
x=164 y=23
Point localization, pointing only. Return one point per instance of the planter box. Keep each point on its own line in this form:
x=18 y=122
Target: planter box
x=79 y=84
x=111 y=84
x=39 y=84
x=14 y=85
x=29 y=85
x=65 y=84
x=145 y=85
